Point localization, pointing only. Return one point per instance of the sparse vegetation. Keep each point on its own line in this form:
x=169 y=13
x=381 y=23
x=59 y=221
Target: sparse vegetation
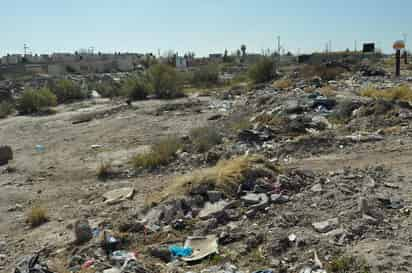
x=400 y=93
x=6 y=109
x=262 y=71
x=326 y=73
x=35 y=101
x=206 y=76
x=37 y=216
x=136 y=88
x=161 y=153
x=346 y=264
x=205 y=138
x=67 y=90
x=164 y=80
x=226 y=176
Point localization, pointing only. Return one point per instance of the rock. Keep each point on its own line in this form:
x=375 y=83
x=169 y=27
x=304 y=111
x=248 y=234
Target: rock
x=279 y=198
x=118 y=195
x=112 y=270
x=6 y=154
x=253 y=198
x=82 y=231
x=316 y=188
x=212 y=209
x=163 y=253
x=324 y=102
x=253 y=241
x=326 y=226
x=292 y=107
x=254 y=136
x=3 y=246
x=214 y=196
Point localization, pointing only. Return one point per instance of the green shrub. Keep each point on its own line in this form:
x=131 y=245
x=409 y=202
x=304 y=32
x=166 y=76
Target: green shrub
x=204 y=138
x=108 y=90
x=164 y=80
x=206 y=76
x=347 y=264
x=66 y=90
x=6 y=108
x=34 y=101
x=104 y=171
x=262 y=71
x=160 y=154
x=136 y=88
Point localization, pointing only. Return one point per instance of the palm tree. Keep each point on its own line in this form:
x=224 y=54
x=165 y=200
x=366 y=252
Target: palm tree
x=243 y=48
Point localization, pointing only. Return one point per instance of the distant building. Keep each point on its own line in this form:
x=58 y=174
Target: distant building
x=181 y=62
x=216 y=57
x=369 y=48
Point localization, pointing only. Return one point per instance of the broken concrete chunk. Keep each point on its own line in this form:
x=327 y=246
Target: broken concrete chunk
x=82 y=231
x=118 y=195
x=212 y=209
x=214 y=196
x=326 y=226
x=279 y=198
x=253 y=198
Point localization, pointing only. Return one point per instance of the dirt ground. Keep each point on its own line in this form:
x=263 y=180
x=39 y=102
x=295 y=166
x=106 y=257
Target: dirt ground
x=63 y=178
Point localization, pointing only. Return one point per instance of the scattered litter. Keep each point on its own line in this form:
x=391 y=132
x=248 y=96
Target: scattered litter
x=31 y=264
x=202 y=247
x=40 y=148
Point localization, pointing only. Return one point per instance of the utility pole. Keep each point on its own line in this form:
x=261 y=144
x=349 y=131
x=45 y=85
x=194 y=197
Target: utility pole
x=356 y=46
x=406 y=47
x=25 y=49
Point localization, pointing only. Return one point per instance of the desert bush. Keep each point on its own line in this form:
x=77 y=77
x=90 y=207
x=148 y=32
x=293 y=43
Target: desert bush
x=6 y=108
x=67 y=90
x=37 y=216
x=204 y=138
x=206 y=76
x=400 y=93
x=262 y=71
x=108 y=90
x=161 y=153
x=136 y=88
x=164 y=80
x=34 y=101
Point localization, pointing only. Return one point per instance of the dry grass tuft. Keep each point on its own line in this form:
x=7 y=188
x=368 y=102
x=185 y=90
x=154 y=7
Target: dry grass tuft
x=327 y=91
x=283 y=84
x=161 y=154
x=400 y=93
x=226 y=176
x=204 y=138
x=37 y=216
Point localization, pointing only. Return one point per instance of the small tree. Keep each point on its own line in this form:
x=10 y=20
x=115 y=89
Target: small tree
x=243 y=48
x=33 y=101
x=208 y=75
x=262 y=71
x=67 y=90
x=164 y=80
x=136 y=88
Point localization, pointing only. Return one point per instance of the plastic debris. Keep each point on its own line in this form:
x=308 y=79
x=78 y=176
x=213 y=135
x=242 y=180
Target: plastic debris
x=179 y=251
x=202 y=247
x=40 y=148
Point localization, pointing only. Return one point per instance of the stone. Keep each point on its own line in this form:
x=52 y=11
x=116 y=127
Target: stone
x=316 y=188
x=118 y=195
x=253 y=198
x=163 y=253
x=6 y=154
x=326 y=226
x=82 y=231
x=214 y=196
x=212 y=209
x=279 y=198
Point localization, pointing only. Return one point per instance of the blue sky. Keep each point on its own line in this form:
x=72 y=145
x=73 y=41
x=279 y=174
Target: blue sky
x=203 y=26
